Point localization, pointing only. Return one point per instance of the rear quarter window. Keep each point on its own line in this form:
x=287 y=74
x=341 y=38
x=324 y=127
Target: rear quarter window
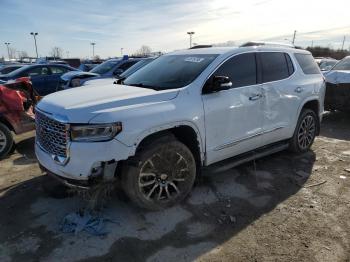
x=307 y=64
x=274 y=66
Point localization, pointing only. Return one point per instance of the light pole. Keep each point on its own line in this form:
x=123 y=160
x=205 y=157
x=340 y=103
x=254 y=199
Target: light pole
x=342 y=46
x=8 y=50
x=295 y=33
x=34 y=34
x=93 y=49
x=121 y=51
x=190 y=34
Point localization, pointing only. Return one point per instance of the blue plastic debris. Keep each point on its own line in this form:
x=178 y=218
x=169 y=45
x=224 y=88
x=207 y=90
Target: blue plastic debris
x=77 y=222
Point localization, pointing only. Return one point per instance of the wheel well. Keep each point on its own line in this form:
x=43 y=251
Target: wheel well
x=184 y=134
x=6 y=123
x=314 y=106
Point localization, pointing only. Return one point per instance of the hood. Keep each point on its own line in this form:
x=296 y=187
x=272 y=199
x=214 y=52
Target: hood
x=81 y=104
x=337 y=76
x=73 y=74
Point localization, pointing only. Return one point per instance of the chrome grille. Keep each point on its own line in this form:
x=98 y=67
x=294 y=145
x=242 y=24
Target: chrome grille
x=51 y=135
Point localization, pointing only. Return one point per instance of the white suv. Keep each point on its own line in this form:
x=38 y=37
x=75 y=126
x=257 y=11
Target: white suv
x=181 y=112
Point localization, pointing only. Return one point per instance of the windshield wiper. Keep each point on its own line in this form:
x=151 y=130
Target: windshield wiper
x=145 y=86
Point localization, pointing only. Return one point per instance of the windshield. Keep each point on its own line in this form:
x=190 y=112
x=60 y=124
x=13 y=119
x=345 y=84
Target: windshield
x=8 y=69
x=104 y=67
x=343 y=64
x=170 y=71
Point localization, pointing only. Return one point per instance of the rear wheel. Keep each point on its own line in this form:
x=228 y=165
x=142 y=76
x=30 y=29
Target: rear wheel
x=305 y=131
x=6 y=141
x=162 y=175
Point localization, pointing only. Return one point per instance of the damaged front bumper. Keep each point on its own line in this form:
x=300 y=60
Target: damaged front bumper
x=88 y=163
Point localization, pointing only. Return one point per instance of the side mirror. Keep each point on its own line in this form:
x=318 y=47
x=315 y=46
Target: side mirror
x=221 y=83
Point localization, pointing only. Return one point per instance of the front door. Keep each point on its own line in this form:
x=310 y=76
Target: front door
x=38 y=75
x=233 y=117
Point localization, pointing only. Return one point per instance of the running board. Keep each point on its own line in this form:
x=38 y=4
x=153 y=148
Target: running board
x=246 y=157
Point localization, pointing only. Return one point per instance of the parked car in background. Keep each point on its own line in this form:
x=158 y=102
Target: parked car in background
x=45 y=78
x=16 y=111
x=111 y=68
x=87 y=67
x=184 y=111
x=338 y=86
x=327 y=64
x=9 y=68
x=143 y=62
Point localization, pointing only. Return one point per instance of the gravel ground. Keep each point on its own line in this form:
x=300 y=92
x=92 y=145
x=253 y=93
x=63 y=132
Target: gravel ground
x=283 y=207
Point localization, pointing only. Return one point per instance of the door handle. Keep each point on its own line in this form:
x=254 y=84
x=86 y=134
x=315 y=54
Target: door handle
x=298 y=89
x=255 y=97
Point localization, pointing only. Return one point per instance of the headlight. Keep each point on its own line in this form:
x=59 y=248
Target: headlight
x=75 y=82
x=95 y=133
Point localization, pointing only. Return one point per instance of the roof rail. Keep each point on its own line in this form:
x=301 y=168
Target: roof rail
x=262 y=43
x=201 y=46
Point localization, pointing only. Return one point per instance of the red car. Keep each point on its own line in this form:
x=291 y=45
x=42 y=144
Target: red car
x=17 y=102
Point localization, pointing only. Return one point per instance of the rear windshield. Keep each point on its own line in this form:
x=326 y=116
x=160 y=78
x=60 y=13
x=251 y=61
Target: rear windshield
x=170 y=71
x=307 y=64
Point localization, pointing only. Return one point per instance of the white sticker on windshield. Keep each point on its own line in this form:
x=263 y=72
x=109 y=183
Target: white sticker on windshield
x=194 y=59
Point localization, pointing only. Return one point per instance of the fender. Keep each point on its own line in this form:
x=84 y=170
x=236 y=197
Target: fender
x=165 y=127
x=301 y=106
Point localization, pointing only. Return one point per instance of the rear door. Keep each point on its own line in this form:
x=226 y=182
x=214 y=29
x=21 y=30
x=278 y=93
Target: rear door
x=54 y=78
x=282 y=94
x=233 y=117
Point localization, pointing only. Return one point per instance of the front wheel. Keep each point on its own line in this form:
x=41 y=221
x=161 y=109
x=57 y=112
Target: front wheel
x=305 y=131
x=6 y=141
x=162 y=175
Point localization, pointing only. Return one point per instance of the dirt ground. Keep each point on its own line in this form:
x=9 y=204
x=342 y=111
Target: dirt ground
x=283 y=207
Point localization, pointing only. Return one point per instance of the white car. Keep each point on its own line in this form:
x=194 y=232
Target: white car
x=184 y=111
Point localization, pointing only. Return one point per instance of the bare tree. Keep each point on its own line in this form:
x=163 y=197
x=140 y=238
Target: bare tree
x=56 y=52
x=22 y=54
x=12 y=52
x=96 y=58
x=143 y=51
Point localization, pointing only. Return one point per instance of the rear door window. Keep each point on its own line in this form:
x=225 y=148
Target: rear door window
x=38 y=71
x=274 y=66
x=307 y=64
x=58 y=70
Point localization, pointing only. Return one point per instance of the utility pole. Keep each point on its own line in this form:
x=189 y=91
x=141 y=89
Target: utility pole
x=121 y=51
x=34 y=34
x=342 y=46
x=312 y=43
x=93 y=49
x=8 y=50
x=190 y=34
x=295 y=33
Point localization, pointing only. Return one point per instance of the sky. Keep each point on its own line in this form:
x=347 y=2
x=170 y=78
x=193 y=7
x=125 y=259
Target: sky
x=162 y=25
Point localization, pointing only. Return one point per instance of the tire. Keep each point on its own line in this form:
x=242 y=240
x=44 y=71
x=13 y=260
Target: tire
x=160 y=175
x=305 y=131
x=6 y=141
